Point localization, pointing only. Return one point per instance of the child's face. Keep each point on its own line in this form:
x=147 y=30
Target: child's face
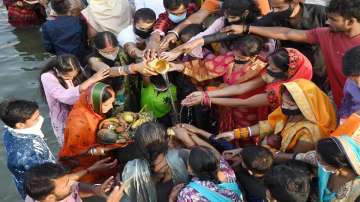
x=30 y=122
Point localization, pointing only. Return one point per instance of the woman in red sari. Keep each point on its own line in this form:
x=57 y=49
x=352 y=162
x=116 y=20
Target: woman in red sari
x=25 y=13
x=80 y=146
x=284 y=65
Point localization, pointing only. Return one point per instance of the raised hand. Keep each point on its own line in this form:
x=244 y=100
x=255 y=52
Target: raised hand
x=105 y=187
x=116 y=194
x=169 y=38
x=101 y=74
x=102 y=165
x=234 y=29
x=170 y=55
x=226 y=135
x=194 y=98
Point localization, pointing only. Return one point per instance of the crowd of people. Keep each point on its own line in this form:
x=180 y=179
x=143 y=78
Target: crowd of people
x=250 y=100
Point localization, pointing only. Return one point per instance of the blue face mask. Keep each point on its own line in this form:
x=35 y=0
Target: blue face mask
x=177 y=19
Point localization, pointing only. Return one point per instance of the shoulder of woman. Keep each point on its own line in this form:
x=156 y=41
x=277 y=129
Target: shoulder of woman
x=48 y=76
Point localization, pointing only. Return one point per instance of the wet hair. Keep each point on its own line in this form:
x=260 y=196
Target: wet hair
x=150 y=139
x=346 y=8
x=39 y=180
x=331 y=154
x=249 y=45
x=287 y=183
x=61 y=7
x=351 y=64
x=17 y=111
x=257 y=159
x=105 y=39
x=203 y=163
x=238 y=7
x=145 y=15
x=63 y=64
x=281 y=59
x=174 y=4
x=190 y=31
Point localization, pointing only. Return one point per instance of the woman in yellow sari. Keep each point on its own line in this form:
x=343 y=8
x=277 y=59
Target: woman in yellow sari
x=304 y=117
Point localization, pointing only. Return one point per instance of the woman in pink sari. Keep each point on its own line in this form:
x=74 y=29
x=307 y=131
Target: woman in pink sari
x=243 y=96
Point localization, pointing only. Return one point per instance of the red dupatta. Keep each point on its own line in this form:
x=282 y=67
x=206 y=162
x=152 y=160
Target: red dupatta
x=80 y=133
x=299 y=68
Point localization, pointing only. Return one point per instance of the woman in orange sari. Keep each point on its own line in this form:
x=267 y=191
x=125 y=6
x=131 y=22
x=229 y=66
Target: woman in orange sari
x=283 y=65
x=306 y=116
x=80 y=146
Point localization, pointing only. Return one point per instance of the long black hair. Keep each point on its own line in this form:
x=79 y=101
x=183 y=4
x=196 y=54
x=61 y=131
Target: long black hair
x=238 y=7
x=204 y=163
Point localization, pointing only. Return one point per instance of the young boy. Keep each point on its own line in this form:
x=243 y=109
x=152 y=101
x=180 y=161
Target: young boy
x=23 y=139
x=133 y=37
x=351 y=69
x=66 y=33
x=49 y=182
x=256 y=161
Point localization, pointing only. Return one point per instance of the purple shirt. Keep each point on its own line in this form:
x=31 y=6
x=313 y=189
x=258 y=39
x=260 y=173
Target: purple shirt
x=351 y=100
x=59 y=100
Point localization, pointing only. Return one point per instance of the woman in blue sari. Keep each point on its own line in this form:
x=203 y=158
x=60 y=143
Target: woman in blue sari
x=338 y=160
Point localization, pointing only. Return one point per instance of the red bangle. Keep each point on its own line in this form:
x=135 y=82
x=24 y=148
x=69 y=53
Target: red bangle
x=206 y=99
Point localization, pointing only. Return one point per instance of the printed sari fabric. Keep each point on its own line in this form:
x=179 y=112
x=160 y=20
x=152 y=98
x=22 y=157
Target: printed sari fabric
x=223 y=66
x=80 y=134
x=350 y=191
x=299 y=68
x=319 y=118
x=25 y=16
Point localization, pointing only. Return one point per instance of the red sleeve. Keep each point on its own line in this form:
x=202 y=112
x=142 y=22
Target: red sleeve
x=163 y=23
x=314 y=35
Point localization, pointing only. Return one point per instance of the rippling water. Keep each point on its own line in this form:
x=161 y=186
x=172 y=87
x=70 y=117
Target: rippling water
x=21 y=57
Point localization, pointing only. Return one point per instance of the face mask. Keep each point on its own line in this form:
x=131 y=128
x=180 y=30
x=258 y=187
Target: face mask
x=141 y=33
x=177 y=19
x=110 y=56
x=290 y=112
x=278 y=75
x=35 y=129
x=31 y=2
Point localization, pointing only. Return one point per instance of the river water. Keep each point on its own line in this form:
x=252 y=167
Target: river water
x=21 y=58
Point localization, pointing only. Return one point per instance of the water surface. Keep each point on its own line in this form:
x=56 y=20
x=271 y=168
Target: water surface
x=21 y=57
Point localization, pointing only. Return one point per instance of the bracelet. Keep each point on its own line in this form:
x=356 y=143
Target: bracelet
x=250 y=132
x=206 y=99
x=237 y=133
x=294 y=156
x=173 y=31
x=121 y=70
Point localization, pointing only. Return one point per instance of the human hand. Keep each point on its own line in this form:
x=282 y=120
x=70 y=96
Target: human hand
x=175 y=192
x=116 y=194
x=169 y=38
x=105 y=187
x=150 y=54
x=189 y=127
x=101 y=74
x=170 y=55
x=226 y=135
x=233 y=29
x=191 y=45
x=192 y=99
x=102 y=165
x=145 y=70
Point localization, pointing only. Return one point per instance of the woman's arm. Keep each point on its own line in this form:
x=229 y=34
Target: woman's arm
x=200 y=142
x=258 y=100
x=238 y=89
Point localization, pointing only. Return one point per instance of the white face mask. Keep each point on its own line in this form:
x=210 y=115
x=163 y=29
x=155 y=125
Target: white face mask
x=35 y=129
x=111 y=56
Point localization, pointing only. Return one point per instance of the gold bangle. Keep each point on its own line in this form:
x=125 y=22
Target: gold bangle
x=237 y=133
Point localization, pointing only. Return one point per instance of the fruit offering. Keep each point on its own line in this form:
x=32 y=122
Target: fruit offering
x=121 y=129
